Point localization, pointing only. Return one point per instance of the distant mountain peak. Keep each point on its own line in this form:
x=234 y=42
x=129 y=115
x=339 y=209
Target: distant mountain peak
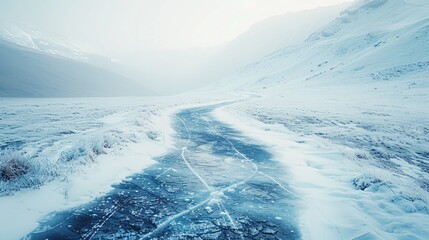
x=38 y=64
x=43 y=42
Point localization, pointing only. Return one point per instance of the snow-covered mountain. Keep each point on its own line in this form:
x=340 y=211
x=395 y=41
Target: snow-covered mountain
x=27 y=73
x=197 y=67
x=372 y=41
x=38 y=64
x=356 y=93
x=39 y=41
x=267 y=36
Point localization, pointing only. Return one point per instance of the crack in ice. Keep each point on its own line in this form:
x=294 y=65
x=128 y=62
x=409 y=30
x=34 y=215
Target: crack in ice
x=94 y=230
x=169 y=169
x=202 y=180
x=164 y=224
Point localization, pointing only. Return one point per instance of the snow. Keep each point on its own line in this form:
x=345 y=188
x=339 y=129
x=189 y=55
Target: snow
x=22 y=211
x=268 y=36
x=42 y=42
x=66 y=140
x=50 y=66
x=45 y=75
x=85 y=174
x=320 y=172
x=346 y=112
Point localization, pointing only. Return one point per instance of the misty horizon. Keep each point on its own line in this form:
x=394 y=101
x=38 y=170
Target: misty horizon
x=159 y=39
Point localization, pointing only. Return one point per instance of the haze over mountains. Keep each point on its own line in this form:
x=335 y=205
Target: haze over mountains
x=34 y=65
x=187 y=69
x=372 y=42
x=50 y=66
x=269 y=36
x=354 y=42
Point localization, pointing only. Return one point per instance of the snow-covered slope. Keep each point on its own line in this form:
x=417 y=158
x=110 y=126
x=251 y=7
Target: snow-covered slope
x=42 y=42
x=372 y=41
x=25 y=72
x=269 y=36
x=192 y=68
x=34 y=63
x=347 y=111
x=51 y=44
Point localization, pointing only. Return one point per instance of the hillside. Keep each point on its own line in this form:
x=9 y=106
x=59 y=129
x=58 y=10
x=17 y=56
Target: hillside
x=370 y=42
x=197 y=67
x=26 y=73
x=35 y=64
x=346 y=111
x=268 y=36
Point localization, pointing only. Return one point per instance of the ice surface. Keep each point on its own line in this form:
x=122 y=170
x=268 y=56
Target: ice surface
x=77 y=148
x=192 y=192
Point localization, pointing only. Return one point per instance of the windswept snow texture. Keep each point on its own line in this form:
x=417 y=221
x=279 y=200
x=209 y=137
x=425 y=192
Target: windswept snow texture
x=362 y=82
x=215 y=185
x=42 y=140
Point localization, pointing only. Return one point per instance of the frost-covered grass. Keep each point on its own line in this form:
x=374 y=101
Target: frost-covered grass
x=17 y=172
x=61 y=153
x=43 y=139
x=46 y=139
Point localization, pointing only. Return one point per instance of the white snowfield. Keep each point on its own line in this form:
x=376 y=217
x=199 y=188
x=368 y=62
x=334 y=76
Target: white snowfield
x=347 y=112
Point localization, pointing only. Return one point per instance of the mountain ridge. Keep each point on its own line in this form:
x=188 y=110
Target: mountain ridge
x=28 y=73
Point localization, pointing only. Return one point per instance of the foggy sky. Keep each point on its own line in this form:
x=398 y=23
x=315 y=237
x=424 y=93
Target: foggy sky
x=129 y=25
x=163 y=41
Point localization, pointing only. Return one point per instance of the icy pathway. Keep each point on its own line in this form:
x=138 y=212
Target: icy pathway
x=216 y=185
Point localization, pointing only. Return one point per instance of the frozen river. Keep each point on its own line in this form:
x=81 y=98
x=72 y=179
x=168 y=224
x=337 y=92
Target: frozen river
x=216 y=184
